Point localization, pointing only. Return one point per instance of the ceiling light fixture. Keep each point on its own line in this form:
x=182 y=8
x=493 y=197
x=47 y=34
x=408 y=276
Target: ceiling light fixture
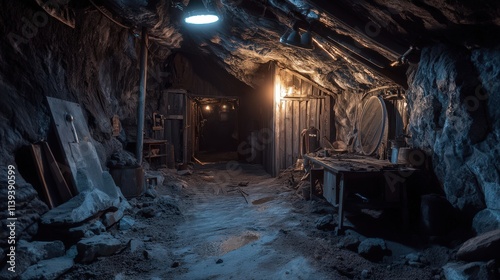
x=294 y=38
x=197 y=13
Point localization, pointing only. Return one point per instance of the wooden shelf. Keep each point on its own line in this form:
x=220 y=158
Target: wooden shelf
x=155 y=156
x=161 y=145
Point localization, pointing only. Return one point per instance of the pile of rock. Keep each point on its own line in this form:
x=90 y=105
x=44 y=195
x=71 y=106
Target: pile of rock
x=477 y=258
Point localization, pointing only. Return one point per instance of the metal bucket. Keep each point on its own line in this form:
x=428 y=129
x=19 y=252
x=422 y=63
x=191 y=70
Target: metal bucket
x=129 y=179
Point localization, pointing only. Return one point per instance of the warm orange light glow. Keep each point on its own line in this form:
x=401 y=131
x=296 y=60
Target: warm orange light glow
x=277 y=89
x=208 y=108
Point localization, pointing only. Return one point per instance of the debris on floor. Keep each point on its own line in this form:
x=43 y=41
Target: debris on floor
x=191 y=231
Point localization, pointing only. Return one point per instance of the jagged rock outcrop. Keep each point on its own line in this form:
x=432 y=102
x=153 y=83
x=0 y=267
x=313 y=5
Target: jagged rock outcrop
x=453 y=104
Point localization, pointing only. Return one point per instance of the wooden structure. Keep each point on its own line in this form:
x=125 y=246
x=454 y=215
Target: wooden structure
x=175 y=109
x=298 y=105
x=156 y=149
x=53 y=186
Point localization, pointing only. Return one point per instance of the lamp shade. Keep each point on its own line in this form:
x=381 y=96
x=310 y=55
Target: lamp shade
x=197 y=13
x=294 y=39
x=306 y=40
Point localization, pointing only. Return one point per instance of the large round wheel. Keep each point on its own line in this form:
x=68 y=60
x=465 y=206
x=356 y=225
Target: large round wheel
x=372 y=124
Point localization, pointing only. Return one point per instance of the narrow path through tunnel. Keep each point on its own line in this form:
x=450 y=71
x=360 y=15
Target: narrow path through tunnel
x=241 y=223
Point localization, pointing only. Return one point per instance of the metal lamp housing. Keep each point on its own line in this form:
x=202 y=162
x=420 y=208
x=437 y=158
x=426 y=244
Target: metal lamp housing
x=294 y=39
x=197 y=13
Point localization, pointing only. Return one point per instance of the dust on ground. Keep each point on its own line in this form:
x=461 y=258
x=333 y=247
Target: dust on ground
x=237 y=222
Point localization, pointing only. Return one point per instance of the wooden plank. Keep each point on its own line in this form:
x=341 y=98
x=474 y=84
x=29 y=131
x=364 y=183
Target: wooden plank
x=62 y=187
x=297 y=85
x=315 y=112
x=326 y=120
x=288 y=133
x=287 y=80
x=282 y=142
x=43 y=173
x=276 y=122
x=303 y=124
x=306 y=88
x=174 y=117
x=304 y=79
x=176 y=139
x=312 y=112
x=295 y=130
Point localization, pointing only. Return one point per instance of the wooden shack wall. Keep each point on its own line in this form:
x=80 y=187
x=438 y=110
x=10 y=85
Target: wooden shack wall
x=298 y=105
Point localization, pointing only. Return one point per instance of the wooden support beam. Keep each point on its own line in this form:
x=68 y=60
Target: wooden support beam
x=141 y=102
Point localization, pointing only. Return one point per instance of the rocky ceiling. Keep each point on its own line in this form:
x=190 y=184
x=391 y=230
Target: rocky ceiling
x=358 y=45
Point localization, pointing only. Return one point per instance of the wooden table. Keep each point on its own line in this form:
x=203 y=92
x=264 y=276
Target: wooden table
x=349 y=175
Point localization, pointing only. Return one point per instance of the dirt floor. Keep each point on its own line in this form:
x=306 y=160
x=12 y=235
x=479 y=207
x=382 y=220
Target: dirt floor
x=236 y=222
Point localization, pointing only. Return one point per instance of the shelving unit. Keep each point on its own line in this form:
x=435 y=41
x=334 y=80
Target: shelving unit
x=152 y=144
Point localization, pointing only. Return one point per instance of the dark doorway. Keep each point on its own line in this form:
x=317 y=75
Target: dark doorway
x=218 y=129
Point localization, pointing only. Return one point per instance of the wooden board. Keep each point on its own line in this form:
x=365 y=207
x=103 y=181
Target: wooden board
x=288 y=133
x=295 y=130
x=63 y=189
x=43 y=175
x=325 y=122
x=372 y=125
x=303 y=118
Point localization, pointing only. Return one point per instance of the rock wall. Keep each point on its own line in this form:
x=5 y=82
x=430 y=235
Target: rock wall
x=453 y=101
x=95 y=65
x=348 y=107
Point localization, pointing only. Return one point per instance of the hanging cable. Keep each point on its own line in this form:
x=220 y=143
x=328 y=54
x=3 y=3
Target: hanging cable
x=107 y=16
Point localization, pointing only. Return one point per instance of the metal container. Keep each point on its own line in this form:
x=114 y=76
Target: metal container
x=403 y=156
x=394 y=155
x=129 y=179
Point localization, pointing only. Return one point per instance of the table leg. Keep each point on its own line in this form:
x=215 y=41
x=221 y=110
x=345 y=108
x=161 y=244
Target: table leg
x=340 y=227
x=405 y=215
x=149 y=154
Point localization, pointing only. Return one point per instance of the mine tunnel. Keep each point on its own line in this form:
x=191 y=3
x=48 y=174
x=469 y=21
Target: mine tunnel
x=249 y=139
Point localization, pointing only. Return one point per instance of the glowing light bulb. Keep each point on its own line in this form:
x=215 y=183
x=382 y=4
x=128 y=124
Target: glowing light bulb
x=201 y=19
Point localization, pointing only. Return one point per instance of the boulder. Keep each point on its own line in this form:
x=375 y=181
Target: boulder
x=100 y=245
x=466 y=271
x=350 y=243
x=373 y=249
x=30 y=253
x=85 y=205
x=41 y=250
x=486 y=220
x=48 y=269
x=111 y=218
x=126 y=223
x=87 y=230
x=416 y=260
x=481 y=248
x=324 y=222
